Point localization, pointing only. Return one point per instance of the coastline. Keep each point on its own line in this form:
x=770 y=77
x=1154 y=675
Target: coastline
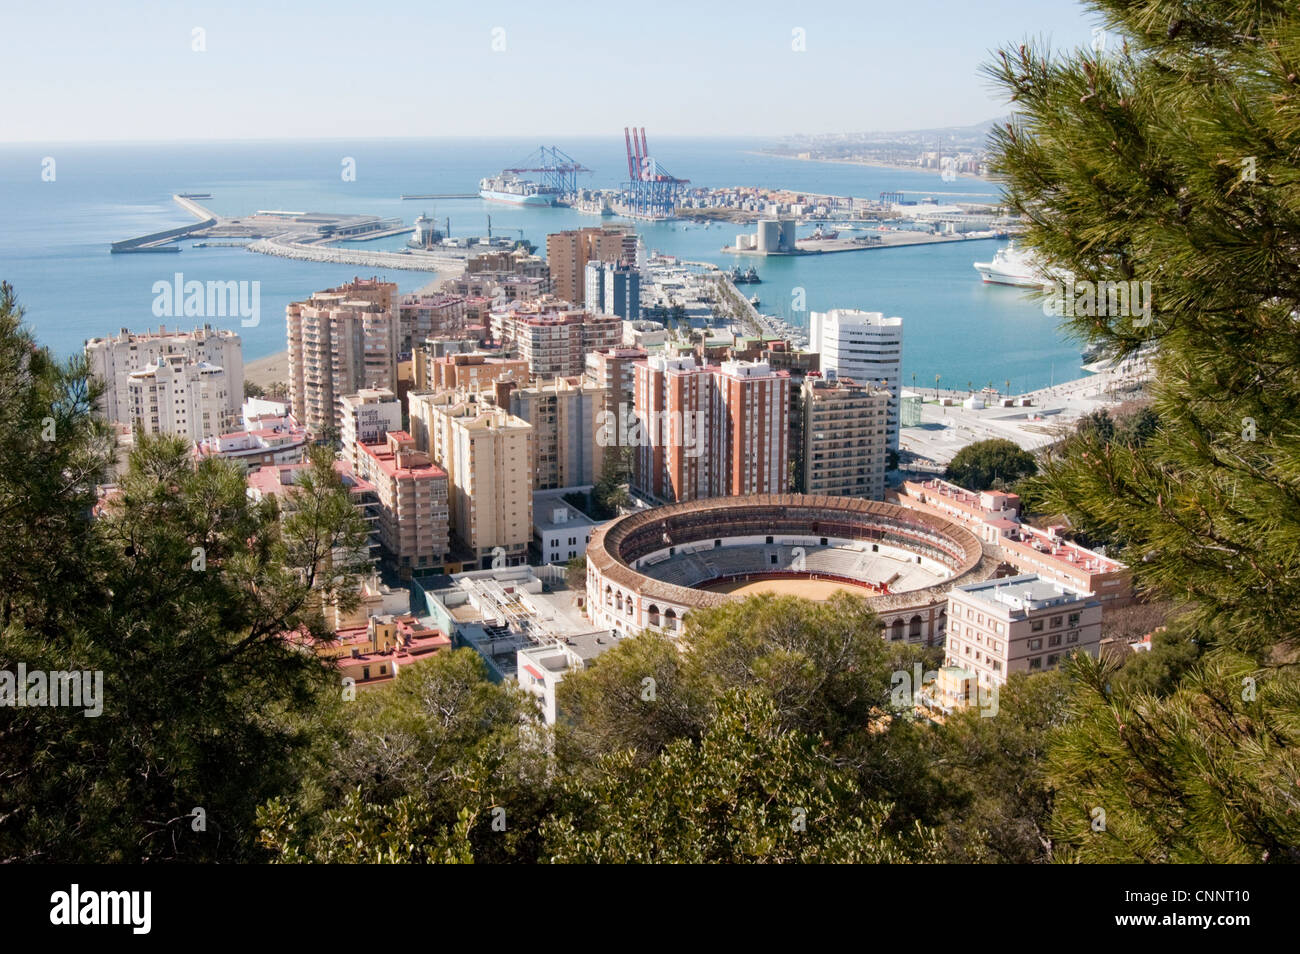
x=272 y=369
x=874 y=163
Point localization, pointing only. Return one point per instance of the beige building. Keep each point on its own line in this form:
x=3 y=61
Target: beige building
x=413 y=518
x=845 y=438
x=177 y=396
x=113 y=359
x=476 y=371
x=1018 y=624
x=567 y=255
x=340 y=341
x=487 y=453
x=565 y=415
x=366 y=418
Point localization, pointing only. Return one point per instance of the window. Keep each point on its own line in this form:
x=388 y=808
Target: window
x=1036 y=663
x=1054 y=639
x=1053 y=659
x=1074 y=619
x=1036 y=643
x=1036 y=626
x=1072 y=638
x=1056 y=621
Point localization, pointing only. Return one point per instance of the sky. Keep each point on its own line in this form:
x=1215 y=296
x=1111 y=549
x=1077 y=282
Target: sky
x=174 y=71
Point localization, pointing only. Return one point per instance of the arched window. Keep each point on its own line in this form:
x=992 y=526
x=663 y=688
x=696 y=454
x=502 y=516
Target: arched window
x=914 y=628
x=896 y=631
x=652 y=615
x=670 y=620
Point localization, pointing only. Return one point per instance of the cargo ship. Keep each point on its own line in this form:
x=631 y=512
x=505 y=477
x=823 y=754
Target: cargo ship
x=510 y=188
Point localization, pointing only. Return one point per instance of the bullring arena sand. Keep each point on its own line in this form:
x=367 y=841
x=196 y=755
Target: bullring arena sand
x=808 y=589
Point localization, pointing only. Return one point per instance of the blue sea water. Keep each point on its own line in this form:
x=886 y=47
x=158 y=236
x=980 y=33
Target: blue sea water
x=55 y=236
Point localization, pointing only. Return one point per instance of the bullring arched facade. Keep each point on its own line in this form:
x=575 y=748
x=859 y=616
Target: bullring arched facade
x=622 y=598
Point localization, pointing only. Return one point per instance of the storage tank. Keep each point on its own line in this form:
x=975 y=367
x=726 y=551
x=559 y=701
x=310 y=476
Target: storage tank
x=768 y=236
x=786 y=242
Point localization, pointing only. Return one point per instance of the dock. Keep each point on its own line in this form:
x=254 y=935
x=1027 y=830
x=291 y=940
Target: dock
x=891 y=239
x=441 y=195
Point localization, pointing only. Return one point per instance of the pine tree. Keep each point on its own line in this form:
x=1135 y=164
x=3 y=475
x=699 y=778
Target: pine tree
x=1169 y=157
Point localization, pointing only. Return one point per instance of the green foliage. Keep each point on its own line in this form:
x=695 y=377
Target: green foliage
x=989 y=465
x=749 y=790
x=1206 y=775
x=999 y=799
x=575 y=573
x=180 y=595
x=1170 y=159
x=418 y=772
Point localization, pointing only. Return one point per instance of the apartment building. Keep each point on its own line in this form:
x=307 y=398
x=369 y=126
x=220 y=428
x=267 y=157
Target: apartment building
x=113 y=359
x=413 y=502
x=427 y=316
x=177 y=396
x=567 y=255
x=994 y=517
x=1018 y=624
x=612 y=369
x=557 y=342
x=865 y=346
x=366 y=418
x=565 y=415
x=475 y=371
x=709 y=431
x=340 y=341
x=487 y=454
x=613 y=289
x=844 y=436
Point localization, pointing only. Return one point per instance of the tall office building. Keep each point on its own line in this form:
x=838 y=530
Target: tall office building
x=486 y=452
x=567 y=255
x=340 y=341
x=565 y=415
x=844 y=437
x=864 y=346
x=113 y=359
x=709 y=431
x=613 y=289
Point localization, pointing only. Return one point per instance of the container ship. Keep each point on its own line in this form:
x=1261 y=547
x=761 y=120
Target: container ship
x=517 y=191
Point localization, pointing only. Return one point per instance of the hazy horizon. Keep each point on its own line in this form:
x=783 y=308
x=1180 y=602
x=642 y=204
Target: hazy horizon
x=152 y=72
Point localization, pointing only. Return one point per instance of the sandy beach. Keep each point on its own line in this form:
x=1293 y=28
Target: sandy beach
x=264 y=372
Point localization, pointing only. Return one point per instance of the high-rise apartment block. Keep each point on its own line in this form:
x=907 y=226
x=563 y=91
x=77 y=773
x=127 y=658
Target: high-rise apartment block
x=844 y=436
x=113 y=359
x=612 y=369
x=177 y=396
x=565 y=415
x=567 y=254
x=556 y=341
x=413 y=518
x=486 y=452
x=865 y=346
x=709 y=431
x=340 y=341
x=366 y=418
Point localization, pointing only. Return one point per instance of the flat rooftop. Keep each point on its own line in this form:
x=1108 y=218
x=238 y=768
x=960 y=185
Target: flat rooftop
x=1026 y=592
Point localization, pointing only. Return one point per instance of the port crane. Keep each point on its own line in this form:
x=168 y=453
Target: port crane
x=559 y=171
x=652 y=189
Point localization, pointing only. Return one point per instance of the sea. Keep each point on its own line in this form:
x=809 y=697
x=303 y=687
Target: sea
x=61 y=205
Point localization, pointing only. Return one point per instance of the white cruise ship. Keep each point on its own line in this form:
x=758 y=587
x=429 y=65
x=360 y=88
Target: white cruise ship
x=1015 y=266
x=510 y=188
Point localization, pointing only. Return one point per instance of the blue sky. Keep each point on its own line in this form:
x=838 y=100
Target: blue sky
x=400 y=68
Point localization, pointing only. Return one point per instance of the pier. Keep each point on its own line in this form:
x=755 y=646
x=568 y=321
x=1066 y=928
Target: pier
x=891 y=239
x=415 y=261
x=162 y=241
x=441 y=195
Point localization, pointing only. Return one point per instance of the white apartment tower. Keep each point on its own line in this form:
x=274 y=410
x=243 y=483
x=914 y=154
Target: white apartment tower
x=865 y=346
x=113 y=359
